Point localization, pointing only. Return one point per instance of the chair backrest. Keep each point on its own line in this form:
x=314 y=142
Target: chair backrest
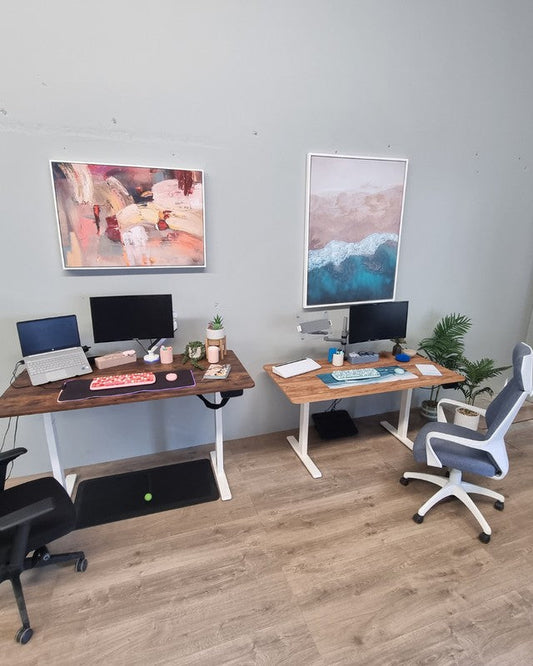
x=503 y=409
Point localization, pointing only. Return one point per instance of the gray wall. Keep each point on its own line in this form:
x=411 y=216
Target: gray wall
x=244 y=90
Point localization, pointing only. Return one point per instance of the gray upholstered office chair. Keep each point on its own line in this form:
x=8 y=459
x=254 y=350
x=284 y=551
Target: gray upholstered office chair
x=459 y=449
x=31 y=515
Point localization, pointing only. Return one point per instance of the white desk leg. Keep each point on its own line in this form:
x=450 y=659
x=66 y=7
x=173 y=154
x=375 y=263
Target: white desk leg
x=57 y=470
x=300 y=445
x=403 y=420
x=217 y=456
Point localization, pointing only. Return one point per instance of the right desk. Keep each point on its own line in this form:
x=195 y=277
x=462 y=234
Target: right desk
x=304 y=389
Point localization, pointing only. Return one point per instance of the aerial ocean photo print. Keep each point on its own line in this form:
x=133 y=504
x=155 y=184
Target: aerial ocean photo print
x=354 y=218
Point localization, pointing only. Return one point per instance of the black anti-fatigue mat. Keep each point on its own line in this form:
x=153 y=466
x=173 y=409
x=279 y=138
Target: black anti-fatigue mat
x=78 y=389
x=120 y=496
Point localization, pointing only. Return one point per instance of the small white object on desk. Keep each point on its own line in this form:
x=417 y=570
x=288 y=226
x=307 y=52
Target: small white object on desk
x=428 y=369
x=338 y=358
x=294 y=368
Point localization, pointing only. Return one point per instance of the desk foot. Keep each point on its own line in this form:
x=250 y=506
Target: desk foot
x=221 y=479
x=393 y=431
x=70 y=480
x=308 y=463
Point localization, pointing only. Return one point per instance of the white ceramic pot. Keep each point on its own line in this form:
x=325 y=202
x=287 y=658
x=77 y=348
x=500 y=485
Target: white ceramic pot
x=429 y=410
x=466 y=418
x=215 y=333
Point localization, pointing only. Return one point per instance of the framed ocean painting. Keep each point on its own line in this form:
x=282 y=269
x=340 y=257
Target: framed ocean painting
x=353 y=225
x=125 y=217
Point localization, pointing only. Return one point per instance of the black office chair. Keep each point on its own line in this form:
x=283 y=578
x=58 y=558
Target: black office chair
x=31 y=515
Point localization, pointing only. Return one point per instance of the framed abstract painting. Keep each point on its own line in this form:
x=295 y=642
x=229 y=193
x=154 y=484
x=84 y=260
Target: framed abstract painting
x=124 y=217
x=353 y=225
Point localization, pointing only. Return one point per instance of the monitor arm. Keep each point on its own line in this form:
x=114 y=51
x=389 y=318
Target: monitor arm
x=151 y=356
x=344 y=334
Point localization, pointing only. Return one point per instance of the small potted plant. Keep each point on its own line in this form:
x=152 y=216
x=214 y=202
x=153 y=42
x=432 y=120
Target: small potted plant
x=215 y=328
x=475 y=373
x=398 y=348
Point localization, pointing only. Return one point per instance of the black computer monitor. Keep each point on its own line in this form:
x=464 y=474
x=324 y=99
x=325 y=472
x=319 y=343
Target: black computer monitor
x=377 y=321
x=143 y=317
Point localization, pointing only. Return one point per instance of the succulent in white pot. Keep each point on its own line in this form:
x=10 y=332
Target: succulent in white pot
x=215 y=329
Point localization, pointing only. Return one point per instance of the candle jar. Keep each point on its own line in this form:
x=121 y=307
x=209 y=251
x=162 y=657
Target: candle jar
x=213 y=354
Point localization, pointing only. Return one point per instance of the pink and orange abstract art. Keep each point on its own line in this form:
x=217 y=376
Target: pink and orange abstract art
x=112 y=216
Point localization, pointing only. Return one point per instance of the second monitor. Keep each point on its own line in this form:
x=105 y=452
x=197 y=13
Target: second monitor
x=142 y=317
x=377 y=321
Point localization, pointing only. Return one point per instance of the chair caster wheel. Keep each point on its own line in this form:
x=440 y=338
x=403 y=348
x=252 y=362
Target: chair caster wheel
x=23 y=635
x=484 y=538
x=81 y=564
x=499 y=505
x=404 y=481
x=40 y=555
x=418 y=518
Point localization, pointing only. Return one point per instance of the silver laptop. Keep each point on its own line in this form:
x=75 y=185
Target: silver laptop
x=51 y=349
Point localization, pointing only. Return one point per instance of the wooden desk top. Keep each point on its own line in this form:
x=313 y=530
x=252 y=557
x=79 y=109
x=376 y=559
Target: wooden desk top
x=308 y=388
x=30 y=399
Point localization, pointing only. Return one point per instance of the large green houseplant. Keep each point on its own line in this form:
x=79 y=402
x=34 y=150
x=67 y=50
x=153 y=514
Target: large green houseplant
x=444 y=346
x=475 y=373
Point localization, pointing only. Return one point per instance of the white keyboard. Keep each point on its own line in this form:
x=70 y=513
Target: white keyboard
x=294 y=368
x=356 y=373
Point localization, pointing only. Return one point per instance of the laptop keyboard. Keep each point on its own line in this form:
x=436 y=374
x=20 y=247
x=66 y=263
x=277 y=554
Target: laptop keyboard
x=57 y=361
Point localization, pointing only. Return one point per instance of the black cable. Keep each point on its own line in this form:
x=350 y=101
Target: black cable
x=14 y=377
x=4 y=438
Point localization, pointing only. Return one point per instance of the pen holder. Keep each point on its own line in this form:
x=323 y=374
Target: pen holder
x=165 y=355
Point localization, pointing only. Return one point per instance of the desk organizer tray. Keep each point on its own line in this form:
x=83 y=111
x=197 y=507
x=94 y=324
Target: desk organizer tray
x=366 y=357
x=78 y=389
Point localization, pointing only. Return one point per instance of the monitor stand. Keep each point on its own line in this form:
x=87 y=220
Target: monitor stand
x=334 y=424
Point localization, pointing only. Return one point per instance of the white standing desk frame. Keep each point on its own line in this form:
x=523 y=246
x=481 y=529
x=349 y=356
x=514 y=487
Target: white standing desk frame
x=68 y=480
x=300 y=444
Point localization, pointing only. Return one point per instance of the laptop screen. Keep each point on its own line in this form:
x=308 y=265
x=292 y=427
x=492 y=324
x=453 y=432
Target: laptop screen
x=43 y=335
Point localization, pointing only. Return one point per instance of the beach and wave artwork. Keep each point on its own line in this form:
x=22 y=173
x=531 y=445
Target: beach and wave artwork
x=113 y=216
x=354 y=219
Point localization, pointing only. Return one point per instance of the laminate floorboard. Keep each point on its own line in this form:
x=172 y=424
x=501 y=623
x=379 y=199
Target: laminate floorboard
x=293 y=570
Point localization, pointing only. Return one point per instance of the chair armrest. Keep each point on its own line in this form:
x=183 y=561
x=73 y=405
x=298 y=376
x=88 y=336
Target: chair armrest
x=7 y=456
x=26 y=515
x=488 y=446
x=441 y=418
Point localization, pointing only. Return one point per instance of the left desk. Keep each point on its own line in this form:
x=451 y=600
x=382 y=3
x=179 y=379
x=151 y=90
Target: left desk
x=43 y=400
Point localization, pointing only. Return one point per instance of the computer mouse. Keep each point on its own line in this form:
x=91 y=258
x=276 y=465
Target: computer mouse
x=399 y=371
x=171 y=376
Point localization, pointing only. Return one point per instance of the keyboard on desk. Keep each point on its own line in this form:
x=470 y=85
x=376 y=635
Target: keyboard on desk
x=121 y=381
x=355 y=374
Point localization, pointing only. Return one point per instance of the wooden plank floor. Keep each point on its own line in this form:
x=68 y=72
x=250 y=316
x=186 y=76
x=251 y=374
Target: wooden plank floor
x=294 y=570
